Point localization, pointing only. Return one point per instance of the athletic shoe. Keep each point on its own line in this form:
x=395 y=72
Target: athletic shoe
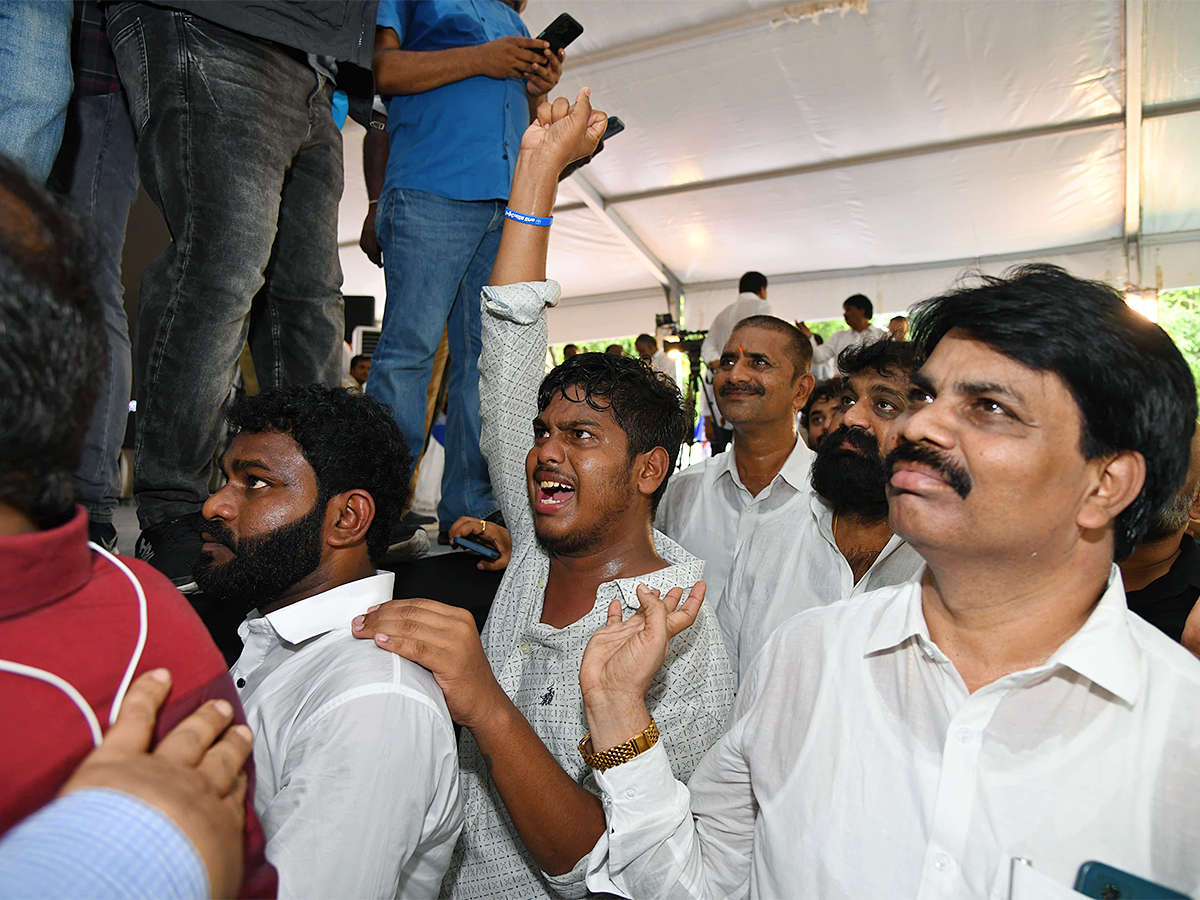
x=174 y=548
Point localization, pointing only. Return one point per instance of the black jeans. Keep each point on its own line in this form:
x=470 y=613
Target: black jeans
x=98 y=167
x=238 y=150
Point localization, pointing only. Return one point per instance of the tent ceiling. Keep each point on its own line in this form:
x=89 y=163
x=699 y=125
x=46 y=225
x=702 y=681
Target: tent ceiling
x=901 y=134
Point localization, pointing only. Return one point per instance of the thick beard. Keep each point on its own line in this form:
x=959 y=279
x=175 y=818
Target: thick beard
x=853 y=482
x=265 y=566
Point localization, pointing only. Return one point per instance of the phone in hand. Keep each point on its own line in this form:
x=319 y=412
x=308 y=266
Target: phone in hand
x=615 y=126
x=475 y=547
x=561 y=32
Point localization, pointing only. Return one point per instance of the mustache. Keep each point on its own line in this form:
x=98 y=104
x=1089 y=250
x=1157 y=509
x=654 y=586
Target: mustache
x=220 y=534
x=862 y=441
x=729 y=387
x=956 y=476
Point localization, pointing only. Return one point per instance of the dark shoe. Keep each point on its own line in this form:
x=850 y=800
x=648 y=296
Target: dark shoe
x=406 y=542
x=413 y=518
x=104 y=534
x=444 y=538
x=174 y=548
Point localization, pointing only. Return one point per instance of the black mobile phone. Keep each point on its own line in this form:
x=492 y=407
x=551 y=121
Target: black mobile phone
x=561 y=32
x=615 y=126
x=475 y=547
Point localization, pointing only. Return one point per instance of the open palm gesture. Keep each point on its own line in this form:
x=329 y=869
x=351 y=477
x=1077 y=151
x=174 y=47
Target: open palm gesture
x=623 y=657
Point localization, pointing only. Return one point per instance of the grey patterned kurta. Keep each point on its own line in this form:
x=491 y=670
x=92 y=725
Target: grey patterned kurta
x=537 y=664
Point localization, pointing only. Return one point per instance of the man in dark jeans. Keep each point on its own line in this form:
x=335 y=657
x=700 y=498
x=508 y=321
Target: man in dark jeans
x=97 y=169
x=238 y=150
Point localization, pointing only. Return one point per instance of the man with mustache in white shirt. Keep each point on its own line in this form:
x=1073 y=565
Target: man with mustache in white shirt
x=1004 y=707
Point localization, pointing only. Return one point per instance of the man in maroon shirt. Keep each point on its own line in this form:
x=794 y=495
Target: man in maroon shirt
x=75 y=623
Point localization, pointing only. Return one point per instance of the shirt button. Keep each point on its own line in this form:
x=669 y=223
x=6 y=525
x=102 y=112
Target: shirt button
x=525 y=648
x=241 y=682
x=964 y=735
x=941 y=862
x=630 y=794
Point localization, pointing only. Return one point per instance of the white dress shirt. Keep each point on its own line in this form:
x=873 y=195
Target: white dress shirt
x=858 y=765
x=664 y=363
x=711 y=514
x=746 y=305
x=790 y=563
x=538 y=664
x=824 y=364
x=354 y=750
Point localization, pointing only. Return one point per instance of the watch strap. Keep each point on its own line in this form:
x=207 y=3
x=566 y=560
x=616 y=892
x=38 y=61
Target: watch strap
x=621 y=753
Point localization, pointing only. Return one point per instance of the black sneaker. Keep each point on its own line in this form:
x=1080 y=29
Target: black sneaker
x=173 y=548
x=104 y=534
x=414 y=518
x=406 y=542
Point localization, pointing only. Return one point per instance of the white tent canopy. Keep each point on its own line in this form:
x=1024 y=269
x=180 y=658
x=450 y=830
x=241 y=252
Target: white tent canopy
x=879 y=147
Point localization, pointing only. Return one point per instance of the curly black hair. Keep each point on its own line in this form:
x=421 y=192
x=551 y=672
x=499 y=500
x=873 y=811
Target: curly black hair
x=350 y=440
x=885 y=357
x=645 y=402
x=52 y=348
x=1131 y=384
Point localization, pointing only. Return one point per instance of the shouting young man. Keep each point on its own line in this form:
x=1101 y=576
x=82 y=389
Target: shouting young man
x=578 y=466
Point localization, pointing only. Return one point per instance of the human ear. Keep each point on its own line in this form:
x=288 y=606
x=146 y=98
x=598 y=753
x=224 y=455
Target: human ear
x=1119 y=479
x=353 y=512
x=652 y=470
x=804 y=388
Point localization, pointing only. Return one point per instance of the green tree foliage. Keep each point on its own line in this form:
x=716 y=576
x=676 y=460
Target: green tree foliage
x=1179 y=315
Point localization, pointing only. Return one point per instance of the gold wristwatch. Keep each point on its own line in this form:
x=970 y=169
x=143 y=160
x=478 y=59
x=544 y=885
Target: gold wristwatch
x=621 y=753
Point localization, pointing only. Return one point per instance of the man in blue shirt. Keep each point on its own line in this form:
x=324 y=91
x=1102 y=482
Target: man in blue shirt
x=461 y=80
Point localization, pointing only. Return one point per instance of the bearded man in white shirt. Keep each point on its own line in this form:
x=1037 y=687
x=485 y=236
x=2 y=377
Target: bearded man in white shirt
x=1006 y=705
x=857 y=310
x=713 y=507
x=833 y=540
x=578 y=460
x=358 y=788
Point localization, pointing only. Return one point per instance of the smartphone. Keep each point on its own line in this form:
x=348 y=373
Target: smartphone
x=1095 y=879
x=475 y=547
x=615 y=126
x=561 y=32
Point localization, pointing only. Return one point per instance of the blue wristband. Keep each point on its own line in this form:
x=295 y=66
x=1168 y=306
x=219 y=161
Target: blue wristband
x=527 y=220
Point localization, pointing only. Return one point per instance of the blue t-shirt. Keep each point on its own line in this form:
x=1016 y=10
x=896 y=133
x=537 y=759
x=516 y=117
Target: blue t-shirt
x=460 y=140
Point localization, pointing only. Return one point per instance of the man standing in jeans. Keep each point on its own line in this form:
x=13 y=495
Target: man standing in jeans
x=238 y=150
x=461 y=80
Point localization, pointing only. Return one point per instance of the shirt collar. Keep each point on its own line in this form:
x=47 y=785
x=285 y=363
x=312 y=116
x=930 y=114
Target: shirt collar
x=1102 y=650
x=330 y=609
x=797 y=466
x=43 y=567
x=794 y=471
x=901 y=619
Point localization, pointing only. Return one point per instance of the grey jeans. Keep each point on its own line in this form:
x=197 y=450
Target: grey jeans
x=238 y=150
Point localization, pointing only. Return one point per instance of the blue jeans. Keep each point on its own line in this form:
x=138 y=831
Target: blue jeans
x=437 y=256
x=35 y=59
x=98 y=166
x=238 y=150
